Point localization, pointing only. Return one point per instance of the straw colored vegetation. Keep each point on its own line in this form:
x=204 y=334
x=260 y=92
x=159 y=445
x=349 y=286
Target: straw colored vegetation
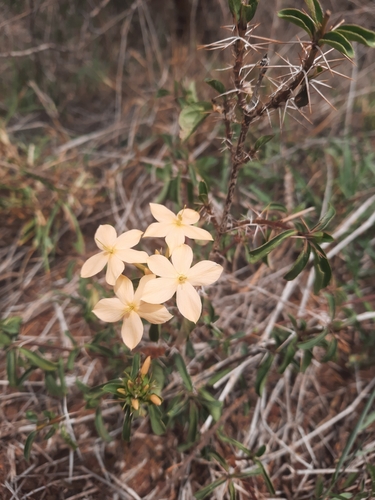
x=270 y=394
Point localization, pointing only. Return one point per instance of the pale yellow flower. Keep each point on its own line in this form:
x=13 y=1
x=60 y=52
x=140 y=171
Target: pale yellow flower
x=115 y=251
x=174 y=227
x=129 y=307
x=178 y=277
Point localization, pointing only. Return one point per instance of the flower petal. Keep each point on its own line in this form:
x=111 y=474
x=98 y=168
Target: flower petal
x=114 y=269
x=159 y=290
x=189 y=216
x=131 y=256
x=110 y=310
x=154 y=313
x=188 y=302
x=157 y=230
x=94 y=264
x=124 y=290
x=205 y=272
x=162 y=213
x=197 y=233
x=182 y=258
x=128 y=239
x=141 y=286
x=105 y=236
x=132 y=330
x=175 y=237
x=161 y=266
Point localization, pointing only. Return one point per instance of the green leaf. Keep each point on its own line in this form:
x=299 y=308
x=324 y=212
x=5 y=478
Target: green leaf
x=193 y=422
x=306 y=360
x=288 y=358
x=234 y=7
x=316 y=10
x=309 y=344
x=71 y=358
x=330 y=352
x=204 y=492
x=266 y=477
x=322 y=268
x=32 y=416
x=68 y=438
x=299 y=264
x=50 y=433
x=299 y=18
x=262 y=373
x=262 y=141
x=192 y=116
x=100 y=427
x=248 y=11
x=354 y=434
x=11 y=360
x=136 y=365
x=232 y=490
x=357 y=34
x=28 y=444
x=162 y=93
x=325 y=220
x=157 y=424
x=211 y=404
x=216 y=85
x=181 y=367
x=203 y=192
x=127 y=425
x=265 y=249
x=11 y=325
x=112 y=387
x=154 y=332
x=38 y=361
x=53 y=388
x=339 y=42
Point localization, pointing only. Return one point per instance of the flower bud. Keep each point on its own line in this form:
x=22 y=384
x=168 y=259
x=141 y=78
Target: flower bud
x=121 y=390
x=135 y=404
x=155 y=399
x=146 y=366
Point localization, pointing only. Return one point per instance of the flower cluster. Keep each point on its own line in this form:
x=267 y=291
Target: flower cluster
x=163 y=276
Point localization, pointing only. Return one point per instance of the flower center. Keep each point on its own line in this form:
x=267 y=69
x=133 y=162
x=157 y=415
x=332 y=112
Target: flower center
x=181 y=279
x=179 y=220
x=130 y=308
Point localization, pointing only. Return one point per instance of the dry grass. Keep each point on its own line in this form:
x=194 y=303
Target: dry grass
x=81 y=145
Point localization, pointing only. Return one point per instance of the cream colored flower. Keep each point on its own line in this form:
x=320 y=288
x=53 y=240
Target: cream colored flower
x=115 y=251
x=173 y=227
x=129 y=307
x=178 y=277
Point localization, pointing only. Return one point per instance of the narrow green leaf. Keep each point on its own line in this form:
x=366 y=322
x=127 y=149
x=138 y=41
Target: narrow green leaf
x=216 y=85
x=127 y=425
x=11 y=360
x=232 y=490
x=234 y=7
x=299 y=18
x=316 y=10
x=331 y=351
x=212 y=454
x=71 y=359
x=248 y=11
x=319 y=486
x=262 y=141
x=136 y=365
x=52 y=387
x=100 y=427
x=266 y=477
x=68 y=438
x=157 y=423
x=288 y=358
x=50 y=433
x=309 y=344
x=112 y=387
x=306 y=360
x=325 y=220
x=193 y=422
x=162 y=93
x=154 y=332
x=207 y=490
x=11 y=325
x=38 y=361
x=191 y=116
x=331 y=304
x=181 y=367
x=177 y=407
x=358 y=34
x=203 y=192
x=339 y=42
x=211 y=404
x=265 y=249
x=262 y=373
x=322 y=268
x=353 y=435
x=28 y=444
x=299 y=264
x=32 y=416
